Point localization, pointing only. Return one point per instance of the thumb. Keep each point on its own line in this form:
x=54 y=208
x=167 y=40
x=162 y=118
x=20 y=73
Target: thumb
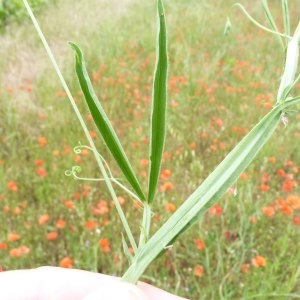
x=117 y=291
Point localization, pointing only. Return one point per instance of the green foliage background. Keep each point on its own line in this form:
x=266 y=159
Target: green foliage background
x=13 y=10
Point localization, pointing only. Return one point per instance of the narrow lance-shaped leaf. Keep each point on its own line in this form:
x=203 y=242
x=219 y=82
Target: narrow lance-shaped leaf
x=158 y=114
x=213 y=187
x=103 y=124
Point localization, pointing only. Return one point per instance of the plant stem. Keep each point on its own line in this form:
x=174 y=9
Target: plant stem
x=146 y=224
x=84 y=127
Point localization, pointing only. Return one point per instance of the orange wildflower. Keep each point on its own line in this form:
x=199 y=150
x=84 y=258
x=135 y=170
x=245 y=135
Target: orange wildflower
x=42 y=141
x=264 y=187
x=165 y=174
x=12 y=186
x=66 y=262
x=17 y=211
x=245 y=268
x=3 y=246
x=12 y=237
x=121 y=200
x=296 y=221
x=69 y=204
x=144 y=162
x=24 y=249
x=193 y=146
x=244 y=176
x=67 y=150
x=77 y=158
x=280 y=172
x=213 y=148
x=293 y=201
x=93 y=134
x=101 y=208
x=258 y=261
x=203 y=135
x=167 y=186
x=215 y=210
x=272 y=160
x=287 y=210
x=41 y=172
x=60 y=223
x=105 y=222
x=200 y=244
x=91 y=225
x=39 y=162
x=20 y=251
x=85 y=152
x=288 y=185
x=198 y=270
x=104 y=244
x=265 y=177
x=15 y=252
x=6 y=209
x=43 y=219
x=52 y=236
x=170 y=207
x=252 y=220
x=268 y=211
x=55 y=153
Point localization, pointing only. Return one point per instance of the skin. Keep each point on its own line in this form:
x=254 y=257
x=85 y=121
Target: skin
x=47 y=283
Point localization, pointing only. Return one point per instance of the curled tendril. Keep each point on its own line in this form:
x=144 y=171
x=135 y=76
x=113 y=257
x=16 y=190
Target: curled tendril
x=77 y=169
x=73 y=172
x=78 y=148
x=286 y=36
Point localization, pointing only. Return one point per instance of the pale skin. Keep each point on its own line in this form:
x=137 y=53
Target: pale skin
x=52 y=283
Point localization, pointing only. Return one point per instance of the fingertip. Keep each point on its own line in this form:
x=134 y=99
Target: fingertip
x=121 y=290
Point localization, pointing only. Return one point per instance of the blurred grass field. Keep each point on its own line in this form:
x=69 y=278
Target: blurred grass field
x=246 y=246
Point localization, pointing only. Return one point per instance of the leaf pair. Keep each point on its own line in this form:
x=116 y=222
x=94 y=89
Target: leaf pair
x=157 y=132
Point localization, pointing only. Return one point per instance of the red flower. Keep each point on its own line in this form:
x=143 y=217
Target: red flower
x=66 y=262
x=258 y=261
x=104 y=244
x=216 y=210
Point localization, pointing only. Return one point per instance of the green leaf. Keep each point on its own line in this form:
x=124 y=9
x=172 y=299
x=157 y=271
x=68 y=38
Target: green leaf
x=103 y=124
x=212 y=189
x=159 y=102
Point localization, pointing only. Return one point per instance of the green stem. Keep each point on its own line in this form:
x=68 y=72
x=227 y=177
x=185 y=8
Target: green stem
x=84 y=127
x=213 y=187
x=146 y=224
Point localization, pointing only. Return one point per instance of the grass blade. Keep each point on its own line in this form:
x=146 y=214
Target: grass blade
x=158 y=114
x=213 y=187
x=103 y=124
